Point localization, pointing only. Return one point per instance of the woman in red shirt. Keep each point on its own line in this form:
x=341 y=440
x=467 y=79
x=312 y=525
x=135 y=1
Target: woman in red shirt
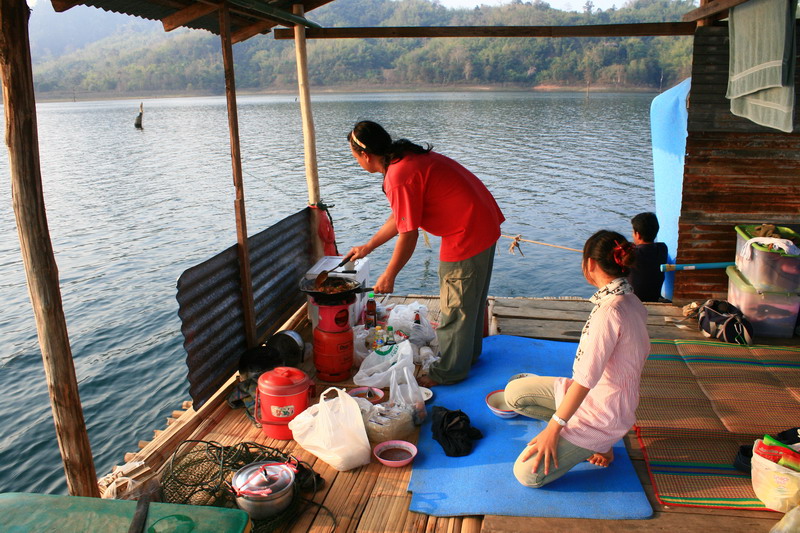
x=435 y=193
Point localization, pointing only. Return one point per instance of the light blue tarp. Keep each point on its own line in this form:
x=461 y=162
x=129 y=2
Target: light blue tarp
x=668 y=128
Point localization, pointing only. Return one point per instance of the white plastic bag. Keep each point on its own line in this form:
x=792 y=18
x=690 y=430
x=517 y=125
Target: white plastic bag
x=404 y=392
x=333 y=430
x=362 y=339
x=376 y=369
x=790 y=523
x=402 y=319
x=776 y=486
x=427 y=356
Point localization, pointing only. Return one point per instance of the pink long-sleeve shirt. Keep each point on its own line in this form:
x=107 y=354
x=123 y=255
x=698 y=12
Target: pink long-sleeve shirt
x=611 y=354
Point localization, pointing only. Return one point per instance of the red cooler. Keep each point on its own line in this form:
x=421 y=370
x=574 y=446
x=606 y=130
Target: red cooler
x=283 y=393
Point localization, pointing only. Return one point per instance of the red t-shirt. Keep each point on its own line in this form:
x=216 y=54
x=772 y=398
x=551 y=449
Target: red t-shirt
x=435 y=193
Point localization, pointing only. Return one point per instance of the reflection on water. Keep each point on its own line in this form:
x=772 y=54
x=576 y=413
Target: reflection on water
x=129 y=210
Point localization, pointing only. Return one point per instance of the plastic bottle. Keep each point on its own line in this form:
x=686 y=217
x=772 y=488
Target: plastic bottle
x=379 y=340
x=416 y=331
x=390 y=336
x=371 y=312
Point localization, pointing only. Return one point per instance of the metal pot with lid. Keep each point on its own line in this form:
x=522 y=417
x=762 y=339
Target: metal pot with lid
x=264 y=489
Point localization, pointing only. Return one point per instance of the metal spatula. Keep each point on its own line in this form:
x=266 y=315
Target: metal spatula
x=322 y=276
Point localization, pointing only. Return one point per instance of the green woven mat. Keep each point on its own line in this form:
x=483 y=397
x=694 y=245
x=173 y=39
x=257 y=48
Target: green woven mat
x=699 y=402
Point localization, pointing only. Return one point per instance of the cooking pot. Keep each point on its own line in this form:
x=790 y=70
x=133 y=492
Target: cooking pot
x=290 y=345
x=263 y=489
x=334 y=290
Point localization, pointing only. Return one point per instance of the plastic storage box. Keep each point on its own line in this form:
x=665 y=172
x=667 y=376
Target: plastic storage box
x=767 y=270
x=772 y=314
x=359 y=272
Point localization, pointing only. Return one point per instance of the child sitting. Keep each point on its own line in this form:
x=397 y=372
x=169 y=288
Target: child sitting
x=646 y=277
x=587 y=414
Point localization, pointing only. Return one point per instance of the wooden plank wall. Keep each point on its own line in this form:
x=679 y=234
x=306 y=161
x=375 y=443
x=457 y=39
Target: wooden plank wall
x=736 y=172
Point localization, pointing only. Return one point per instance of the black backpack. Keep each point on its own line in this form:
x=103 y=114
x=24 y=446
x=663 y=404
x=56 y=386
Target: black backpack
x=722 y=320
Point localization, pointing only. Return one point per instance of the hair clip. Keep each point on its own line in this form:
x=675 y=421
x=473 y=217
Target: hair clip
x=620 y=251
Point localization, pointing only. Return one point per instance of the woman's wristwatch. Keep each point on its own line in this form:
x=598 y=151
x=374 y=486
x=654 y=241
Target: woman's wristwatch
x=560 y=421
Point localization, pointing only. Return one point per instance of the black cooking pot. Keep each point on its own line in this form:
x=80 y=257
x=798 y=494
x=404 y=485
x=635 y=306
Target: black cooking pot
x=334 y=290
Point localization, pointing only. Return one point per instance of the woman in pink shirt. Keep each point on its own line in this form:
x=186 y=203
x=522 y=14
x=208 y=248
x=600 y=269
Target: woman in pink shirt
x=591 y=411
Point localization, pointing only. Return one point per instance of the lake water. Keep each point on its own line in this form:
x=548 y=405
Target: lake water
x=130 y=210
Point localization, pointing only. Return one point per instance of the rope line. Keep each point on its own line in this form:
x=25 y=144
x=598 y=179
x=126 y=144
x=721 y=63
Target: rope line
x=518 y=238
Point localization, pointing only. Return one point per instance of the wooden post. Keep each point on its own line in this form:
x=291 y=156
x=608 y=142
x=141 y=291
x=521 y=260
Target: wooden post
x=704 y=21
x=236 y=162
x=309 y=135
x=37 y=250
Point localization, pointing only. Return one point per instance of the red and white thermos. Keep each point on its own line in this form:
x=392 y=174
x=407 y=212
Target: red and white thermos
x=283 y=393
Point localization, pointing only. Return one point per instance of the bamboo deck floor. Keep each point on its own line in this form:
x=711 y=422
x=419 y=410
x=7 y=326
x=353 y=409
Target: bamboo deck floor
x=374 y=498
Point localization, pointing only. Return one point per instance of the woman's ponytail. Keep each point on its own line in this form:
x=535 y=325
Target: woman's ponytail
x=613 y=253
x=368 y=136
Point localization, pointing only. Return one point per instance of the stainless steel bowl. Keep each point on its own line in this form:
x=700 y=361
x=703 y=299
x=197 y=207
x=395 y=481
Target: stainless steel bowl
x=263 y=489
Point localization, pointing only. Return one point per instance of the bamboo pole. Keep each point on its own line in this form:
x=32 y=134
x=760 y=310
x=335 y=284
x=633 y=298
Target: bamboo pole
x=236 y=162
x=41 y=269
x=309 y=134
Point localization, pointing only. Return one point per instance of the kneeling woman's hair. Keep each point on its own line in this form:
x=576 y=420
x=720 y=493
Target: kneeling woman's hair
x=612 y=252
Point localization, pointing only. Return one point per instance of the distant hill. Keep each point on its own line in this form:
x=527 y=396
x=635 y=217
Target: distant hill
x=95 y=52
x=55 y=34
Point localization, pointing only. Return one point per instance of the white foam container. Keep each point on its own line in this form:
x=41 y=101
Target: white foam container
x=772 y=314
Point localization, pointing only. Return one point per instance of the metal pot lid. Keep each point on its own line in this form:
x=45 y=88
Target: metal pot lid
x=263 y=480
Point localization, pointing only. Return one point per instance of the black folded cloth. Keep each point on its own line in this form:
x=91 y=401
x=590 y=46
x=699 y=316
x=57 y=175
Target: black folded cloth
x=453 y=431
x=743 y=457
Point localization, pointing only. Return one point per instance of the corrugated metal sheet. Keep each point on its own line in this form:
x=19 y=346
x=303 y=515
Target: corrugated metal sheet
x=241 y=17
x=210 y=303
x=736 y=172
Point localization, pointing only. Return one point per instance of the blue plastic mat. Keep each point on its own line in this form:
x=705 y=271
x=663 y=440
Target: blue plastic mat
x=483 y=482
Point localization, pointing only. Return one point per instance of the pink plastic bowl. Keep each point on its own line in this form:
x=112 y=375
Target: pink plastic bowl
x=373 y=394
x=395 y=452
x=496 y=402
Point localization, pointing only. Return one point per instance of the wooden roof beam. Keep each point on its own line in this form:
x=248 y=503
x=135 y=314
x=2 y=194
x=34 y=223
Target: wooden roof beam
x=186 y=15
x=711 y=9
x=283 y=17
x=251 y=30
x=600 y=30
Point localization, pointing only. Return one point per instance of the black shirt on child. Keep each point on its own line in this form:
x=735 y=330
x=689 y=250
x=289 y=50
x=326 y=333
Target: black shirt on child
x=646 y=276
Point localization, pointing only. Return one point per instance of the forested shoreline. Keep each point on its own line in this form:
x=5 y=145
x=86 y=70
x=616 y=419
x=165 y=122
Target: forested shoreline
x=136 y=62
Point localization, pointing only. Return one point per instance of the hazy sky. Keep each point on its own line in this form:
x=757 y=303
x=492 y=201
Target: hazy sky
x=566 y=5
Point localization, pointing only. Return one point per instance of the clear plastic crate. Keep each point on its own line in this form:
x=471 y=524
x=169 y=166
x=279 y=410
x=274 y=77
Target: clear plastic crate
x=772 y=314
x=768 y=270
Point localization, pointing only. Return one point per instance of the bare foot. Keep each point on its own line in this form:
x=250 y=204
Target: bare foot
x=425 y=381
x=602 y=459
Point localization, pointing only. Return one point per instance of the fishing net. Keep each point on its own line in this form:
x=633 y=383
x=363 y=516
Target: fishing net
x=200 y=473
